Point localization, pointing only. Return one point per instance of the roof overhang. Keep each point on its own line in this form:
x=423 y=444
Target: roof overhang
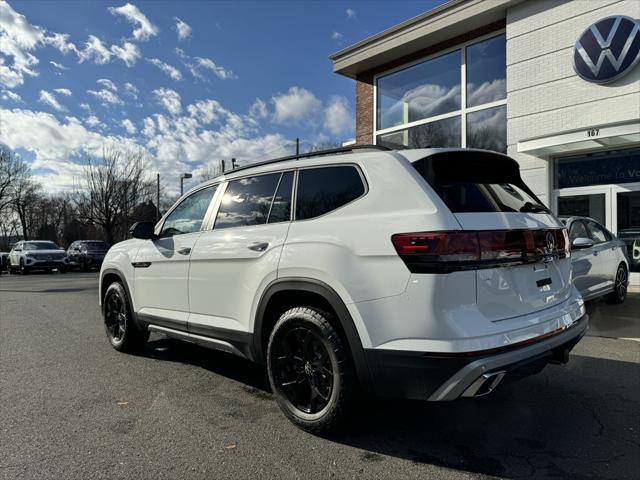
x=616 y=135
x=450 y=20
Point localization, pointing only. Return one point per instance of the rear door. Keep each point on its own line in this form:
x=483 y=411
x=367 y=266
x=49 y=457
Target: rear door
x=240 y=255
x=585 y=276
x=485 y=192
x=162 y=265
x=604 y=255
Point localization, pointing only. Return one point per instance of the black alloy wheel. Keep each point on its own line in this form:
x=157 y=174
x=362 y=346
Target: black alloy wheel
x=122 y=332
x=310 y=370
x=620 y=286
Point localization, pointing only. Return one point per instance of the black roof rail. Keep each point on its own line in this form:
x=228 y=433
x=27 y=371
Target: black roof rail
x=319 y=153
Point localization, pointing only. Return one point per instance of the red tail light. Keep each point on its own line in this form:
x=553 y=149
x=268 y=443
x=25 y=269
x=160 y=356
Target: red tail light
x=442 y=252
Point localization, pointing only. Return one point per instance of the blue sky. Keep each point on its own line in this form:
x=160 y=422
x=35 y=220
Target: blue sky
x=188 y=82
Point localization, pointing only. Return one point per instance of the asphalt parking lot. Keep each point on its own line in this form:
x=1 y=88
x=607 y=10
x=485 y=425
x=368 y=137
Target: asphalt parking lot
x=72 y=407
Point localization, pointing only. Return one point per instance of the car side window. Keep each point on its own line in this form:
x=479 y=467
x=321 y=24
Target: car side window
x=577 y=230
x=321 y=190
x=188 y=216
x=281 y=205
x=247 y=201
x=598 y=235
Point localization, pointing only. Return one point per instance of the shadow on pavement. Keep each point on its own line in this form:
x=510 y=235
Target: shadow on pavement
x=615 y=321
x=575 y=421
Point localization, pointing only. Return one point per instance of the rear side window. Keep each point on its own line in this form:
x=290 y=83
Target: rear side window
x=247 y=201
x=281 y=206
x=321 y=190
x=478 y=182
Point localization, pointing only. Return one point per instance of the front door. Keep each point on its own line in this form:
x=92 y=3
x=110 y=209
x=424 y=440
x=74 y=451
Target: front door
x=162 y=265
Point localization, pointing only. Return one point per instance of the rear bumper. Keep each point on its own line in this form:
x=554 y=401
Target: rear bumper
x=440 y=377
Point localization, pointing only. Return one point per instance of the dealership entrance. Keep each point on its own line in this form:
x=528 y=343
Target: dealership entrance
x=606 y=187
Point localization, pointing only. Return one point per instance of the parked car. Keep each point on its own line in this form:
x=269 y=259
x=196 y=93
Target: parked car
x=86 y=254
x=600 y=263
x=28 y=255
x=430 y=274
x=631 y=238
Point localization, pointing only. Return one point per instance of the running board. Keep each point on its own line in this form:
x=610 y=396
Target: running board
x=207 y=342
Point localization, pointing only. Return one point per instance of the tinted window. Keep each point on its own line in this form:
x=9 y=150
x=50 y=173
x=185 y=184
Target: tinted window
x=247 y=201
x=487 y=129
x=40 y=246
x=598 y=234
x=94 y=246
x=441 y=133
x=577 y=230
x=281 y=206
x=187 y=217
x=487 y=71
x=321 y=190
x=478 y=182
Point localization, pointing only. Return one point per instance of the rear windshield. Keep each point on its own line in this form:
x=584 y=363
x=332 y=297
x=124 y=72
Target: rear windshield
x=95 y=245
x=478 y=182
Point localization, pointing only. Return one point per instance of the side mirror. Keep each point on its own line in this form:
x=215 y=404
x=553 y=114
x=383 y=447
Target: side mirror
x=581 y=242
x=143 y=230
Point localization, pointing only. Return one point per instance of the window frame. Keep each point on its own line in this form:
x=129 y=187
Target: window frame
x=576 y=222
x=462 y=112
x=363 y=179
x=205 y=220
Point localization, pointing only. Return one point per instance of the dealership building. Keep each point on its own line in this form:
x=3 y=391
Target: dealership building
x=555 y=84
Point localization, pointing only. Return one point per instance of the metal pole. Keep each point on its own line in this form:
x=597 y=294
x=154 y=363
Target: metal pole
x=297 y=146
x=158 y=198
x=222 y=161
x=233 y=164
x=181 y=184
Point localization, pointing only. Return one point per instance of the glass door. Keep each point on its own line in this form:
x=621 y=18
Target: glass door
x=594 y=202
x=627 y=225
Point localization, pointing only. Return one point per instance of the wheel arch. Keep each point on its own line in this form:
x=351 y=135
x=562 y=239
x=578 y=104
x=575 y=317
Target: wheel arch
x=109 y=276
x=306 y=289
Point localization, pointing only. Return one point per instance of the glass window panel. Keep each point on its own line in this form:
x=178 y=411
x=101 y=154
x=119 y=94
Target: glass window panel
x=421 y=91
x=487 y=129
x=443 y=133
x=598 y=168
x=321 y=190
x=187 y=217
x=628 y=204
x=577 y=230
x=582 y=206
x=487 y=71
x=281 y=207
x=598 y=235
x=247 y=201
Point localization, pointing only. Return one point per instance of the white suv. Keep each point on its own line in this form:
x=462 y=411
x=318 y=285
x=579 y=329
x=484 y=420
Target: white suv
x=427 y=274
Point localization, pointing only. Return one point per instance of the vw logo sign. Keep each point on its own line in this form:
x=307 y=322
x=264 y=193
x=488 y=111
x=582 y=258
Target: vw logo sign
x=607 y=49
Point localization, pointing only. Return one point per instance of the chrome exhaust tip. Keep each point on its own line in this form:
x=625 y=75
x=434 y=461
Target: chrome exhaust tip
x=484 y=384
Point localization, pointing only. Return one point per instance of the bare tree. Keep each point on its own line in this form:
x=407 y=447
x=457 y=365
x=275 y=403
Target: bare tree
x=11 y=170
x=209 y=171
x=24 y=202
x=112 y=186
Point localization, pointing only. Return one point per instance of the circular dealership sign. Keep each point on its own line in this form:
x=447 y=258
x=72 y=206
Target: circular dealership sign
x=607 y=49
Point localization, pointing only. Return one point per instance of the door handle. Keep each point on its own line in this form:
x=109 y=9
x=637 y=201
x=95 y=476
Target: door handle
x=258 y=246
x=184 y=251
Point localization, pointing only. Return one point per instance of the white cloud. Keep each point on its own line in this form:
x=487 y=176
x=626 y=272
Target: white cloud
x=351 y=13
x=149 y=127
x=259 y=109
x=107 y=96
x=94 y=49
x=128 y=53
x=49 y=98
x=297 y=104
x=85 y=106
x=145 y=29
x=207 y=111
x=169 y=70
x=197 y=64
x=336 y=35
x=59 y=66
x=7 y=95
x=131 y=89
x=61 y=42
x=63 y=91
x=337 y=117
x=94 y=122
x=106 y=83
x=17 y=38
x=169 y=99
x=182 y=29
x=129 y=126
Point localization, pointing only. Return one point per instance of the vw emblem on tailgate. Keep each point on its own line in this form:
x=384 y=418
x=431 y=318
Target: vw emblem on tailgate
x=549 y=252
x=607 y=49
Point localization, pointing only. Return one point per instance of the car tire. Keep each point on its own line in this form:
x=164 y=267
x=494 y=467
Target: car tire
x=620 y=286
x=24 y=270
x=63 y=269
x=311 y=370
x=122 y=331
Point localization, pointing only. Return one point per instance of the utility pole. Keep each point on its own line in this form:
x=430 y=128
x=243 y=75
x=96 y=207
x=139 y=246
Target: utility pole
x=297 y=146
x=182 y=177
x=222 y=165
x=158 y=198
x=233 y=164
